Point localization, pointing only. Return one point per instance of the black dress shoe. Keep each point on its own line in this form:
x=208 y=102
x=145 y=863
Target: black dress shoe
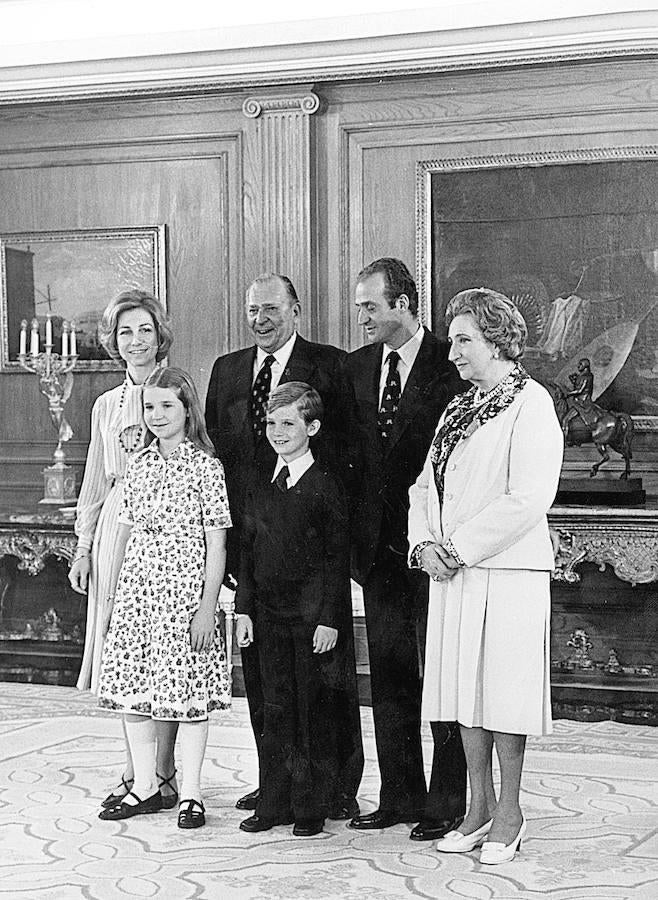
x=345 y=808
x=432 y=830
x=381 y=818
x=125 y=810
x=254 y=824
x=308 y=827
x=249 y=800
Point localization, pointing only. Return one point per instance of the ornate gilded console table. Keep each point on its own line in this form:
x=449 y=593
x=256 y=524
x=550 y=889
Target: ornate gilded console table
x=625 y=539
x=604 y=662
x=41 y=619
x=33 y=538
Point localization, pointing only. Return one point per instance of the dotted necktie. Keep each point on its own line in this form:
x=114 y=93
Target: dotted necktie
x=390 y=397
x=281 y=480
x=260 y=393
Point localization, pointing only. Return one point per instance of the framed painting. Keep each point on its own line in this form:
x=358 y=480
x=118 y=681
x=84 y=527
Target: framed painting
x=572 y=239
x=69 y=277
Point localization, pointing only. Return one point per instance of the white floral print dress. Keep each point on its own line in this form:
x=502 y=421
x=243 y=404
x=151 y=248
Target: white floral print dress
x=148 y=665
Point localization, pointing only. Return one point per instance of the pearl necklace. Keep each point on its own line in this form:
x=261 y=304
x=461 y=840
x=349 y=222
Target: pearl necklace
x=130 y=438
x=484 y=397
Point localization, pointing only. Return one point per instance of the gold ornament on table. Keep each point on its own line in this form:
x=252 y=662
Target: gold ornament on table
x=56 y=383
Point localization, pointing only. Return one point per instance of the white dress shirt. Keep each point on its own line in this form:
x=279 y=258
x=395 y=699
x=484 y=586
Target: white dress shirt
x=408 y=353
x=281 y=358
x=296 y=467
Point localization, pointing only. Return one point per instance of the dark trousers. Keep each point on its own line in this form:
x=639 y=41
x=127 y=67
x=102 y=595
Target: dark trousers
x=300 y=761
x=348 y=718
x=395 y=606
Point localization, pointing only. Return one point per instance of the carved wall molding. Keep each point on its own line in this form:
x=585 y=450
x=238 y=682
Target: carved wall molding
x=626 y=542
x=172 y=75
x=254 y=107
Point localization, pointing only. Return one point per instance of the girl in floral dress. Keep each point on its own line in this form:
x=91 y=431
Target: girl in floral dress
x=164 y=656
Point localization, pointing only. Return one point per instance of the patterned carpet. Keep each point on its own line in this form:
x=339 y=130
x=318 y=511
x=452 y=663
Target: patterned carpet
x=589 y=795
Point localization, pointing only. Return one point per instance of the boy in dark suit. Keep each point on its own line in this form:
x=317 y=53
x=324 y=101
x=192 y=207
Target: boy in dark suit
x=294 y=601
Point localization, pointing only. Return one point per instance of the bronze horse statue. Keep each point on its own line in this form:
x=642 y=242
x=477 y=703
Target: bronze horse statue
x=609 y=429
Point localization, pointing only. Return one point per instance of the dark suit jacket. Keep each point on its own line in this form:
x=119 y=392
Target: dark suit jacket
x=230 y=429
x=295 y=560
x=381 y=507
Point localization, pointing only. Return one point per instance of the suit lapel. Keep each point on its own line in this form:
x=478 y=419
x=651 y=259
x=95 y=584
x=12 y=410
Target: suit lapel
x=301 y=364
x=239 y=390
x=368 y=387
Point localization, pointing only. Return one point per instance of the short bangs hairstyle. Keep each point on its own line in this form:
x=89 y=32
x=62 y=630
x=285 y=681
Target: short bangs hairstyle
x=302 y=395
x=107 y=330
x=495 y=315
x=178 y=381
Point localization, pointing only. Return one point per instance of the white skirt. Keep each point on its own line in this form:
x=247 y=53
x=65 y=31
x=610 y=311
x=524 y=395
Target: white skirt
x=487 y=657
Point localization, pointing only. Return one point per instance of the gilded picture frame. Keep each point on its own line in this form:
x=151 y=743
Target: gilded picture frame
x=572 y=238
x=73 y=275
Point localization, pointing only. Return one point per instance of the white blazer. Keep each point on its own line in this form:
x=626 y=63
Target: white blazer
x=499 y=484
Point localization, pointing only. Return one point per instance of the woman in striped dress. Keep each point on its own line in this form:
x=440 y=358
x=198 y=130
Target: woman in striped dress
x=135 y=329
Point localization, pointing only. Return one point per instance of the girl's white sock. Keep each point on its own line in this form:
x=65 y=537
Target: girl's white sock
x=192 y=739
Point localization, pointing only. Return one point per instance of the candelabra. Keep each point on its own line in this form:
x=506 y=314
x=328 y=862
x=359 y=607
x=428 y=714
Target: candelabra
x=56 y=383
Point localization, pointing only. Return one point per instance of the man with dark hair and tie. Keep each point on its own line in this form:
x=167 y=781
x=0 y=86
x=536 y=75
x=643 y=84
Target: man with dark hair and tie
x=402 y=381
x=240 y=385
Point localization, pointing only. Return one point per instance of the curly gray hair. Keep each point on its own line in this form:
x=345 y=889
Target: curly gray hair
x=495 y=315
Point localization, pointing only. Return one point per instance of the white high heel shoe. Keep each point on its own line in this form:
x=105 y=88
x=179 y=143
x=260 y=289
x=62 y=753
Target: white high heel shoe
x=456 y=842
x=493 y=853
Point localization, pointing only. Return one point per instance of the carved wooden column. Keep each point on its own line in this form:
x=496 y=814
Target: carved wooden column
x=280 y=199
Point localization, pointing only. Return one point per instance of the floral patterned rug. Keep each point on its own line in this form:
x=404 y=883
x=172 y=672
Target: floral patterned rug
x=589 y=795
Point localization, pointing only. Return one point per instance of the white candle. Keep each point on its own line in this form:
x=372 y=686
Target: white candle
x=49 y=333
x=65 y=339
x=34 y=338
x=23 y=347
x=74 y=346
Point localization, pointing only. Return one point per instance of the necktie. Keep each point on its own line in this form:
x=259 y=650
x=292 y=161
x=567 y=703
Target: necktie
x=390 y=397
x=260 y=393
x=281 y=480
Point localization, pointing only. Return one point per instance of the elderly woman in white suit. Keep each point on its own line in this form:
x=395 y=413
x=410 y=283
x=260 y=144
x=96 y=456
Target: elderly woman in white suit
x=478 y=527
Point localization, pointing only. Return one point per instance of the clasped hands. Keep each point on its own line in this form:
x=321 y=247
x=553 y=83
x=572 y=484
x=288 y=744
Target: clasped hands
x=438 y=563
x=324 y=637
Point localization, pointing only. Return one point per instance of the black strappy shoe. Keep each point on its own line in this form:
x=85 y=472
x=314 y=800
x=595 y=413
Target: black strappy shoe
x=168 y=800
x=193 y=816
x=125 y=810
x=112 y=799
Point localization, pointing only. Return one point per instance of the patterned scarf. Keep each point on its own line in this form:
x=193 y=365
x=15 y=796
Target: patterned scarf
x=466 y=413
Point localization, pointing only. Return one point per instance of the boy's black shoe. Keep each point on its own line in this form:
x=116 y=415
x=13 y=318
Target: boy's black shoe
x=308 y=827
x=257 y=823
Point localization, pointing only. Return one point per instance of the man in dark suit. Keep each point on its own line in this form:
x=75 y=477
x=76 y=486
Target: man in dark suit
x=239 y=387
x=402 y=381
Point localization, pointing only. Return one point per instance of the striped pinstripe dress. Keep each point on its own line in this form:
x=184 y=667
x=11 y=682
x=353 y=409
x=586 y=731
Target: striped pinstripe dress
x=116 y=411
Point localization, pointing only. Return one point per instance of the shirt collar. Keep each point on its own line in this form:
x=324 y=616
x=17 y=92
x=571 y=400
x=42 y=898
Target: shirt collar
x=296 y=468
x=282 y=355
x=180 y=450
x=409 y=350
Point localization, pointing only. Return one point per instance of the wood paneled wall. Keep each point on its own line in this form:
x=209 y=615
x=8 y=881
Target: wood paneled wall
x=313 y=180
